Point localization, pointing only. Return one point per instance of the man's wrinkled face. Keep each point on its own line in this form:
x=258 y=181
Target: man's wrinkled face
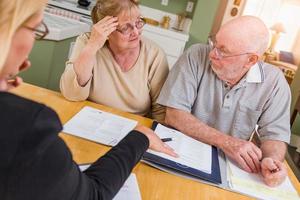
x=228 y=56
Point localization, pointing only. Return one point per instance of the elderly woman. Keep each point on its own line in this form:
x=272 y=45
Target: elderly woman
x=35 y=162
x=113 y=65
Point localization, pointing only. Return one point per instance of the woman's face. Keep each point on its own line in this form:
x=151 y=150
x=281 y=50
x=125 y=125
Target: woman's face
x=20 y=48
x=131 y=39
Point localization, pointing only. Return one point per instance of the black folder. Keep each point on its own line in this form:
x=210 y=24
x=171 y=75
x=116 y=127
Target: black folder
x=214 y=177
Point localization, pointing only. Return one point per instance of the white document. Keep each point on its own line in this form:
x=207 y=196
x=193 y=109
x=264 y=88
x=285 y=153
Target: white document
x=99 y=126
x=84 y=167
x=192 y=153
x=253 y=185
x=130 y=189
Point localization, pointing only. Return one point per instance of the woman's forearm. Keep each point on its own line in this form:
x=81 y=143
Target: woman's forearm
x=83 y=65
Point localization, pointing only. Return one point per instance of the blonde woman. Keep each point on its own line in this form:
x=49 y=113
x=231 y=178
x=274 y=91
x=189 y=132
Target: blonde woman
x=114 y=65
x=35 y=162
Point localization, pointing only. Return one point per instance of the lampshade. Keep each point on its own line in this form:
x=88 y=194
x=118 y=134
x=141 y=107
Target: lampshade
x=278 y=27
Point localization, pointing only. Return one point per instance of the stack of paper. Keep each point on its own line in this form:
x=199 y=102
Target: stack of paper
x=196 y=160
x=191 y=152
x=130 y=189
x=253 y=185
x=99 y=126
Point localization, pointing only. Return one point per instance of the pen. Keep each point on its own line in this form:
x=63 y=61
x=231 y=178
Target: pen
x=11 y=80
x=274 y=170
x=166 y=139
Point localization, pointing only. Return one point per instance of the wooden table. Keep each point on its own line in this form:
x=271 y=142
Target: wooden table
x=153 y=183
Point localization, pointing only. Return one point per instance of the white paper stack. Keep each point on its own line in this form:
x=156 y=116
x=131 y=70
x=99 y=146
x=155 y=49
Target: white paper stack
x=130 y=189
x=99 y=126
x=253 y=185
x=191 y=152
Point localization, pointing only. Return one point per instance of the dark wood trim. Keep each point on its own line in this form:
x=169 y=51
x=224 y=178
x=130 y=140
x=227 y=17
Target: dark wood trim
x=296 y=111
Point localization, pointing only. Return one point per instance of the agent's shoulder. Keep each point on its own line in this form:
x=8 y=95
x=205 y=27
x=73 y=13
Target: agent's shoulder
x=12 y=101
x=18 y=108
x=18 y=115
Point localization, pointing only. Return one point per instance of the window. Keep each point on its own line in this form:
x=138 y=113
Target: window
x=272 y=11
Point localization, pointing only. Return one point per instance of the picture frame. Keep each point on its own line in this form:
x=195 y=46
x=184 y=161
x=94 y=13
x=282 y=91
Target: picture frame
x=237 y=2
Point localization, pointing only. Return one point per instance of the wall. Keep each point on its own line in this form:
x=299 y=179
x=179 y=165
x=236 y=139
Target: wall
x=47 y=63
x=296 y=49
x=174 y=6
x=295 y=89
x=203 y=16
x=295 y=86
x=202 y=21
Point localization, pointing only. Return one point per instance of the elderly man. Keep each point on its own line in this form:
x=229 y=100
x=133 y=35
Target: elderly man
x=218 y=93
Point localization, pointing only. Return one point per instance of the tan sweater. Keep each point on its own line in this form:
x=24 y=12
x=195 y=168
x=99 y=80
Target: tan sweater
x=134 y=91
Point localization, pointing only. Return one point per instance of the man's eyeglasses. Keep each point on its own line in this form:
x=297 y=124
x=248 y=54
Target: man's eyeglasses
x=126 y=29
x=40 y=32
x=219 y=53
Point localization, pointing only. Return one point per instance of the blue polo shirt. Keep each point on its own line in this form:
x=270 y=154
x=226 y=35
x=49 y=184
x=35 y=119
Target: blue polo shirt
x=262 y=97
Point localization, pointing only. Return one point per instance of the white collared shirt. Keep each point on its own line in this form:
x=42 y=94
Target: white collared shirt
x=255 y=74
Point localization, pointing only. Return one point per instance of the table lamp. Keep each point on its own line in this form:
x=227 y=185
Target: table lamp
x=277 y=28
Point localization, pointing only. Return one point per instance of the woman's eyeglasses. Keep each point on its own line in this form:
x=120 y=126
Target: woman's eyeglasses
x=126 y=29
x=40 y=32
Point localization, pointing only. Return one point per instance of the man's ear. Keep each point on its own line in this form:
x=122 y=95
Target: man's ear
x=252 y=60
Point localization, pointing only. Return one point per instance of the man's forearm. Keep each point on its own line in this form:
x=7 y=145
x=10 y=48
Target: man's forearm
x=190 y=125
x=245 y=153
x=274 y=149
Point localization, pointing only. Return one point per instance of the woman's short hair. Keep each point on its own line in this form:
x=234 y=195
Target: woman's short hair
x=14 y=14
x=105 y=8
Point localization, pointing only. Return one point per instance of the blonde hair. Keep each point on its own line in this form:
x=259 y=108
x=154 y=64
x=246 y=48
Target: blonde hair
x=105 y=8
x=13 y=14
